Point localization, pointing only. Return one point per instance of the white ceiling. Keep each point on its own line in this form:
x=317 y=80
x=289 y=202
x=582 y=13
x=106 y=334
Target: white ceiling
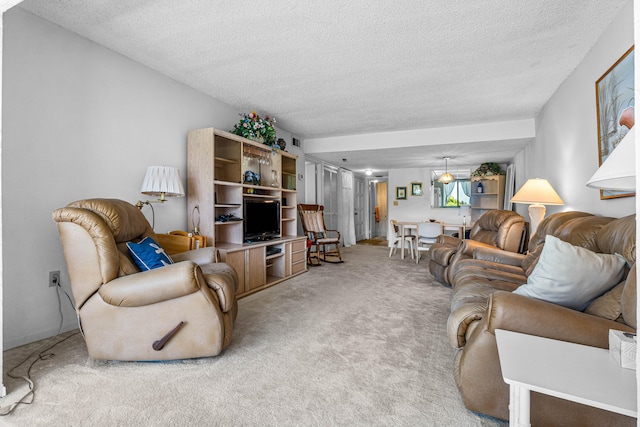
x=333 y=67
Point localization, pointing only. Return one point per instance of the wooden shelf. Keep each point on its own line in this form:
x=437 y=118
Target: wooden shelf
x=228 y=222
x=260 y=196
x=216 y=166
x=229 y=183
x=491 y=198
x=227 y=161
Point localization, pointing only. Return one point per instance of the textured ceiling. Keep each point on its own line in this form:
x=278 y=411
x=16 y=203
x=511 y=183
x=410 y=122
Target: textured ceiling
x=334 y=67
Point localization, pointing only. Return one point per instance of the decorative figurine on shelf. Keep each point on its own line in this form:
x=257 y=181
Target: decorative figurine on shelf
x=281 y=143
x=250 y=177
x=252 y=126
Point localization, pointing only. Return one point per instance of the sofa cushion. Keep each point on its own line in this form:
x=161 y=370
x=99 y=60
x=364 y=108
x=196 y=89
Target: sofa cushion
x=148 y=254
x=572 y=276
x=608 y=305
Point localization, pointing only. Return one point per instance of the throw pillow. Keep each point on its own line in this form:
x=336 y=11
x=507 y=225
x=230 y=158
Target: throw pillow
x=148 y=254
x=608 y=305
x=572 y=276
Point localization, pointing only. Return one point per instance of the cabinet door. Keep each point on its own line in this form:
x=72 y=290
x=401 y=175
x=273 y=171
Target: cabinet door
x=237 y=261
x=256 y=268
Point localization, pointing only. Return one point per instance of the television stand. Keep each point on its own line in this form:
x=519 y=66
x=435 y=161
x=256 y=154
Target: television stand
x=264 y=263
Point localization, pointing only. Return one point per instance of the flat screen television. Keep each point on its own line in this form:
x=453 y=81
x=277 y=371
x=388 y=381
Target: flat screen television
x=261 y=219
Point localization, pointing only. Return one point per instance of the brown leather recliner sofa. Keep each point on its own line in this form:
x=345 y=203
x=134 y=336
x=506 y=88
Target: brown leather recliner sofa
x=124 y=313
x=482 y=302
x=500 y=229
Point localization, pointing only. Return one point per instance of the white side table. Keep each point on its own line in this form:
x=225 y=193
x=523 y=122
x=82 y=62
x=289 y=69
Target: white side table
x=574 y=372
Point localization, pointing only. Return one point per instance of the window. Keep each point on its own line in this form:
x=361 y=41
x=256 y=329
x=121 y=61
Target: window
x=454 y=194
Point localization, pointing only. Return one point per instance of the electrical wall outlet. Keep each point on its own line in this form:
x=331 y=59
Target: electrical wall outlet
x=54 y=278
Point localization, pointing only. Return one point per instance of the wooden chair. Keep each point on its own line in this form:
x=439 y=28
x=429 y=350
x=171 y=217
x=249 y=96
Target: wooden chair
x=396 y=240
x=312 y=220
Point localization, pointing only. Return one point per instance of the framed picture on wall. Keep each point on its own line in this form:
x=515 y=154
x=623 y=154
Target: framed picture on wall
x=615 y=107
x=401 y=193
x=416 y=189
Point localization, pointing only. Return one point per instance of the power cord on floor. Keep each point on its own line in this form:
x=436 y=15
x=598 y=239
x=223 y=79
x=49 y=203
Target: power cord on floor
x=44 y=354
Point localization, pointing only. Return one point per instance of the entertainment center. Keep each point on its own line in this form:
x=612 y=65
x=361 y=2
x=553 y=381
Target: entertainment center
x=242 y=196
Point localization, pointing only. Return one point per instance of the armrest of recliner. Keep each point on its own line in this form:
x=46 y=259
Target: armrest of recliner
x=153 y=286
x=496 y=255
x=223 y=279
x=526 y=315
x=445 y=239
x=200 y=256
x=467 y=247
x=441 y=253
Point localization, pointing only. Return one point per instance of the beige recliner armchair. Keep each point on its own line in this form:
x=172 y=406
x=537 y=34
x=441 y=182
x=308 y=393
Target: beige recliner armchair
x=182 y=310
x=498 y=228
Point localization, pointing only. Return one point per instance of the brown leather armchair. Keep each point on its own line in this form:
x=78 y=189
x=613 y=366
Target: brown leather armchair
x=500 y=229
x=183 y=310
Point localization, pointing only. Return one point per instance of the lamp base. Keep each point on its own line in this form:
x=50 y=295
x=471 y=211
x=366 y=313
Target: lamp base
x=536 y=215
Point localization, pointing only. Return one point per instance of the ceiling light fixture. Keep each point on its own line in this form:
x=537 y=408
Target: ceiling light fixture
x=446 y=177
x=368 y=172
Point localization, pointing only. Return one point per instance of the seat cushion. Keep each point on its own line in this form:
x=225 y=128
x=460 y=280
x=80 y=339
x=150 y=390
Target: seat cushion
x=148 y=254
x=572 y=276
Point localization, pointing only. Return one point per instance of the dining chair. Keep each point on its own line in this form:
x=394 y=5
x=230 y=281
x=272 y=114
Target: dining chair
x=397 y=238
x=428 y=233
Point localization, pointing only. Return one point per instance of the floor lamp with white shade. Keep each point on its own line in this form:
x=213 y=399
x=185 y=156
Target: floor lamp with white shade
x=537 y=193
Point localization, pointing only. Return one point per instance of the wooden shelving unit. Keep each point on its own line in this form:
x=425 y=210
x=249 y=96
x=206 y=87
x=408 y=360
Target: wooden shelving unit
x=217 y=163
x=491 y=197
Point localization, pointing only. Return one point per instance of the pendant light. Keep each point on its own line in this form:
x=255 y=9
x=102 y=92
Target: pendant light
x=446 y=177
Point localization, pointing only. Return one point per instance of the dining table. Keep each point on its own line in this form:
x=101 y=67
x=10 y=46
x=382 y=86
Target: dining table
x=406 y=226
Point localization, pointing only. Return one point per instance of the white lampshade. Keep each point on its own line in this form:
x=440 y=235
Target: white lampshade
x=618 y=171
x=537 y=191
x=162 y=181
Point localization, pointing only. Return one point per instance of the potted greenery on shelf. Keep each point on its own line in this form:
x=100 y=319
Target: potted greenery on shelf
x=254 y=127
x=485 y=170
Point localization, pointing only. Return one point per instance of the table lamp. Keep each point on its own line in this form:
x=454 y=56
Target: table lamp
x=537 y=193
x=618 y=171
x=162 y=182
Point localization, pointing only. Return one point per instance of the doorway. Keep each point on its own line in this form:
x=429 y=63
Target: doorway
x=359 y=215
x=378 y=212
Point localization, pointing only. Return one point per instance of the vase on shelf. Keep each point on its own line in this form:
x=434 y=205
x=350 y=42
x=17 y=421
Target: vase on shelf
x=274 y=179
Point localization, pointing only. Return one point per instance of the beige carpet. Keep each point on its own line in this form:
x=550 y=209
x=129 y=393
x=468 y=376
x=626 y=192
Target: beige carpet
x=355 y=344
x=376 y=241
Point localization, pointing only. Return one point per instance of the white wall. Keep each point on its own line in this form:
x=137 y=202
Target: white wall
x=565 y=150
x=80 y=121
x=418 y=208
